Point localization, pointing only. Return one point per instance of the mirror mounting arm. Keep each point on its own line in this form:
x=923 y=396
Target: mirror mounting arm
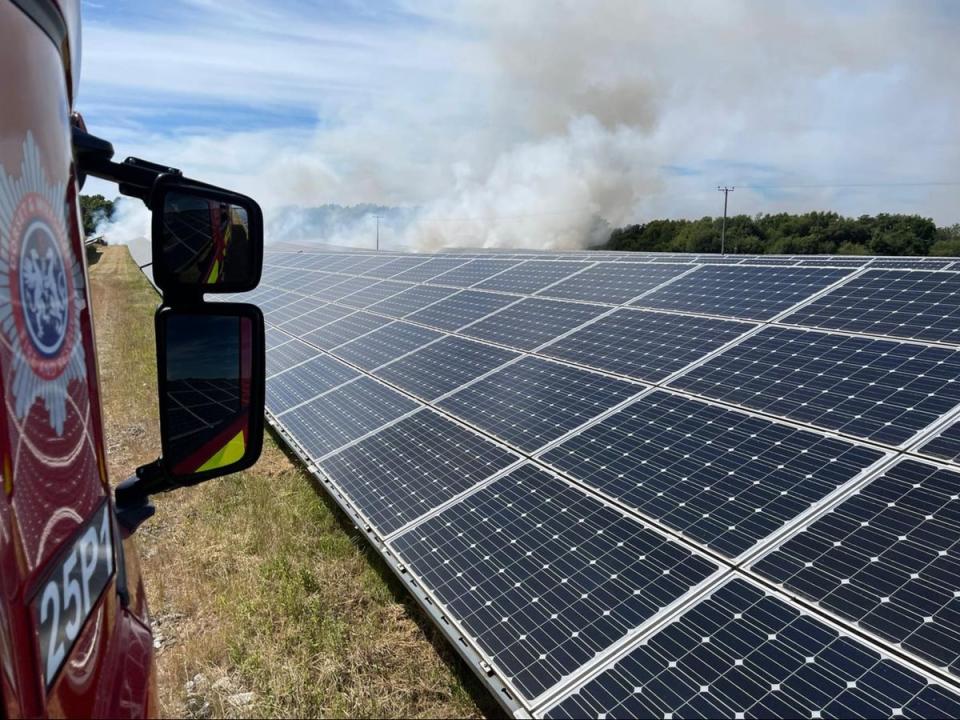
x=135 y=177
x=132 y=496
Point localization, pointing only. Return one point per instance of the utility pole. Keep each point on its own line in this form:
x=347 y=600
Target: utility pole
x=378 y=232
x=723 y=228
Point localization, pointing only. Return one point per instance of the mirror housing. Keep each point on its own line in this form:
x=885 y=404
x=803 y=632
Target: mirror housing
x=205 y=239
x=210 y=377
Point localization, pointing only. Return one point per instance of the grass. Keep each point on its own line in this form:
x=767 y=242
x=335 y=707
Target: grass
x=265 y=600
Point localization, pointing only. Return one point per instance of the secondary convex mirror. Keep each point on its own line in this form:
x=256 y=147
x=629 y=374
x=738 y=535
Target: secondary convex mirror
x=205 y=239
x=211 y=367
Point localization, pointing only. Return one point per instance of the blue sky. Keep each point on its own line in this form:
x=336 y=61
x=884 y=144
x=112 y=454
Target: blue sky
x=561 y=109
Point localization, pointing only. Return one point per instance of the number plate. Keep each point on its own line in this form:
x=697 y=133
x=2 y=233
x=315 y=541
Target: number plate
x=70 y=590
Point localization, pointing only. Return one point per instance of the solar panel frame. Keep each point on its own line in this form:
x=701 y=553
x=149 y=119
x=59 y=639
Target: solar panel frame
x=533 y=402
x=742 y=291
x=881 y=390
x=554 y=612
x=460 y=309
x=444 y=366
x=739 y=652
x=532 y=322
x=613 y=283
x=724 y=478
x=909 y=304
x=413 y=467
x=643 y=344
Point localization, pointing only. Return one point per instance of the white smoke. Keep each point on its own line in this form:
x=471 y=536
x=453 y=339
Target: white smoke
x=129 y=222
x=544 y=122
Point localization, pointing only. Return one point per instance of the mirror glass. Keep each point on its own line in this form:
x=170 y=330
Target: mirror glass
x=205 y=241
x=206 y=401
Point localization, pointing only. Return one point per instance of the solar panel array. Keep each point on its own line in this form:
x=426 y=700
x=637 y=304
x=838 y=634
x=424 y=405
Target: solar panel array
x=627 y=484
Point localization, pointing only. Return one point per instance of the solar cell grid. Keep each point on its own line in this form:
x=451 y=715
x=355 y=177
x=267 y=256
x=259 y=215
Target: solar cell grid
x=757 y=293
x=344 y=414
x=287 y=312
x=412 y=467
x=921 y=264
x=287 y=355
x=899 y=303
x=349 y=286
x=644 y=345
x=410 y=300
x=532 y=322
x=615 y=283
x=532 y=402
x=945 y=445
x=314 y=319
x=385 y=344
x=313 y=283
x=724 y=478
x=373 y=293
x=454 y=312
x=887 y=558
x=431 y=268
x=877 y=389
x=542 y=576
x=530 y=276
x=397 y=265
x=472 y=272
x=344 y=330
x=443 y=366
x=742 y=654
x=305 y=381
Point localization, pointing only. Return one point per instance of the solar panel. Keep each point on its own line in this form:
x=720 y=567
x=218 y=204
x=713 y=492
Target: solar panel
x=344 y=330
x=899 y=303
x=543 y=577
x=905 y=264
x=410 y=300
x=291 y=310
x=305 y=381
x=373 y=293
x=532 y=322
x=615 y=283
x=530 y=276
x=314 y=319
x=724 y=478
x=443 y=366
x=644 y=345
x=945 y=445
x=461 y=309
x=533 y=401
x=452 y=453
x=757 y=293
x=412 y=467
x=429 y=269
x=472 y=273
x=287 y=355
x=887 y=558
x=741 y=653
x=384 y=344
x=344 y=414
x=877 y=389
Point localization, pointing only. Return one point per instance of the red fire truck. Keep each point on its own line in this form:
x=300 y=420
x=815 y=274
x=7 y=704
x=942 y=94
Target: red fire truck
x=75 y=635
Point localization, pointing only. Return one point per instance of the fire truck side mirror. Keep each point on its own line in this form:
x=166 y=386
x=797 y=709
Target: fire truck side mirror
x=205 y=239
x=210 y=361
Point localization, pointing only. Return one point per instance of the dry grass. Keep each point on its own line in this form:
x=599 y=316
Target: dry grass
x=266 y=602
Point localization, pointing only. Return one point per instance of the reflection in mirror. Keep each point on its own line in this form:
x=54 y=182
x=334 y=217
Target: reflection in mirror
x=207 y=398
x=205 y=241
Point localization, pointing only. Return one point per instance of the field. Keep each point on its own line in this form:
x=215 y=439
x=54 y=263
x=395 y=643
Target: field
x=265 y=600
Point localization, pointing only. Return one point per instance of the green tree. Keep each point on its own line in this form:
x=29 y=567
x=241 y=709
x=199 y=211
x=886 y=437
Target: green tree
x=94 y=209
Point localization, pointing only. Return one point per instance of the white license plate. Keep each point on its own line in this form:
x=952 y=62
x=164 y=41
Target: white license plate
x=71 y=589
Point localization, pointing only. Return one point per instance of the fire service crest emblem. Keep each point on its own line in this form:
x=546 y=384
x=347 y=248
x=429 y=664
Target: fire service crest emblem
x=41 y=290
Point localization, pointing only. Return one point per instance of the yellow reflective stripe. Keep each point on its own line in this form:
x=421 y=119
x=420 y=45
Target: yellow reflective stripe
x=227 y=455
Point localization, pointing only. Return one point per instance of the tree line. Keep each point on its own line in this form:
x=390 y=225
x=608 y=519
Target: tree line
x=812 y=233
x=93 y=210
